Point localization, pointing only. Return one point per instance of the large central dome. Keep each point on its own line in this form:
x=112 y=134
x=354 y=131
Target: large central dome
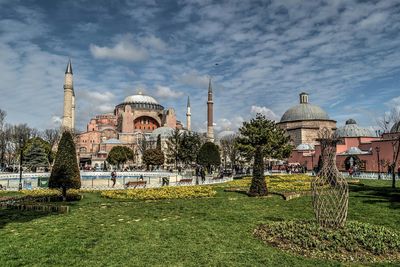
x=140 y=98
x=304 y=111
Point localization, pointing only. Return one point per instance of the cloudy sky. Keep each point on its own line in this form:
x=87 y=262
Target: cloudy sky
x=260 y=54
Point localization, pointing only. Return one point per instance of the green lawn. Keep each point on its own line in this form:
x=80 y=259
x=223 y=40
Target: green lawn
x=198 y=232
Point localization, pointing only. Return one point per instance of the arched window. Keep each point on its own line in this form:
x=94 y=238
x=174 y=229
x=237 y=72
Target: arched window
x=82 y=149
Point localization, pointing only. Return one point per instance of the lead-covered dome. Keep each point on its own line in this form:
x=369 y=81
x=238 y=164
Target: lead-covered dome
x=140 y=98
x=351 y=129
x=305 y=147
x=164 y=132
x=304 y=111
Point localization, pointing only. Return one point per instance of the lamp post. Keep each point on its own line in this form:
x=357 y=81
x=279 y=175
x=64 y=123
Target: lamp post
x=379 y=164
x=20 y=164
x=312 y=162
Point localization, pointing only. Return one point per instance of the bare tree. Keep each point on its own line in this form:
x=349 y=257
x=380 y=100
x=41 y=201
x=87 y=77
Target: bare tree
x=51 y=136
x=386 y=123
x=229 y=150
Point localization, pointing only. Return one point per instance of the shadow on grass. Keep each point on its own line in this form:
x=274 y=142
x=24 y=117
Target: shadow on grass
x=17 y=216
x=378 y=194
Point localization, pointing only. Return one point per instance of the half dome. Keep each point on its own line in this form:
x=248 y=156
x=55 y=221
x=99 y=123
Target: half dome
x=164 y=132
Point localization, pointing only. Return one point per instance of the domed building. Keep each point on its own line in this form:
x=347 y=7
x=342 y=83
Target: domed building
x=138 y=117
x=351 y=129
x=304 y=121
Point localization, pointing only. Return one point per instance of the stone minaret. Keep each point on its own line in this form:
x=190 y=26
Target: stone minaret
x=210 y=103
x=73 y=109
x=69 y=100
x=188 y=115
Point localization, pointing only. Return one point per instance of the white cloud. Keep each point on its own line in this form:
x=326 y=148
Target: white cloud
x=56 y=121
x=166 y=92
x=193 y=78
x=96 y=97
x=269 y=114
x=154 y=42
x=123 y=50
x=373 y=20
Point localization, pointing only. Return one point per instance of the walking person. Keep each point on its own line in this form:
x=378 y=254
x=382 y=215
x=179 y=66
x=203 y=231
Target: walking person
x=203 y=175
x=398 y=172
x=197 y=174
x=113 y=177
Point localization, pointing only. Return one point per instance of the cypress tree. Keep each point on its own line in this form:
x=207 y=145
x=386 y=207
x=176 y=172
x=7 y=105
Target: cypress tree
x=158 y=146
x=65 y=173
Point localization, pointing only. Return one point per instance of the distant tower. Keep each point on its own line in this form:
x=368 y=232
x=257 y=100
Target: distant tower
x=210 y=103
x=68 y=122
x=188 y=115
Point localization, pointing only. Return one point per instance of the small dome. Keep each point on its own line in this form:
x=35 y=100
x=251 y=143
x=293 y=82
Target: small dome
x=351 y=121
x=305 y=147
x=304 y=111
x=351 y=129
x=395 y=128
x=163 y=131
x=140 y=98
x=354 y=151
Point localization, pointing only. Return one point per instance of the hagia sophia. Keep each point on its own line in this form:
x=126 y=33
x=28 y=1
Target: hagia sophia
x=140 y=117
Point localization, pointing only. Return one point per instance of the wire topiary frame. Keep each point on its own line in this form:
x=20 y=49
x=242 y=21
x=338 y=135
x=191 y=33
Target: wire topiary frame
x=330 y=191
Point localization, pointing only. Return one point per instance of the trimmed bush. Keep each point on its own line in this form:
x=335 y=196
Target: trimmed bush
x=65 y=173
x=153 y=156
x=209 y=155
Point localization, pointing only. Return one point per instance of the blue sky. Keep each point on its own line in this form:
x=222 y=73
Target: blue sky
x=345 y=54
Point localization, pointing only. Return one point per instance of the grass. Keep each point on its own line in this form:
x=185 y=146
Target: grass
x=183 y=232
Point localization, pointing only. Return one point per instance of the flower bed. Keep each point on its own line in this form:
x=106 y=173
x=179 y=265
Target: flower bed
x=278 y=183
x=50 y=194
x=355 y=242
x=161 y=193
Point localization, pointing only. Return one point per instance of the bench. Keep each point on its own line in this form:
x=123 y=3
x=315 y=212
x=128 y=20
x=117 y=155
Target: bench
x=185 y=181
x=136 y=184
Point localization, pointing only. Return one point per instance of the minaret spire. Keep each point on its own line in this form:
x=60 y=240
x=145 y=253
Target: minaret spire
x=188 y=115
x=69 y=68
x=210 y=114
x=68 y=122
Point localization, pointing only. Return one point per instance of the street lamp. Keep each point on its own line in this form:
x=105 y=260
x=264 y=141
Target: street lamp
x=312 y=162
x=20 y=164
x=379 y=164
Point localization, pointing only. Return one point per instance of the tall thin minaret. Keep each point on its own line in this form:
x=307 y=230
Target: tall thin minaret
x=210 y=103
x=69 y=100
x=188 y=115
x=73 y=109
